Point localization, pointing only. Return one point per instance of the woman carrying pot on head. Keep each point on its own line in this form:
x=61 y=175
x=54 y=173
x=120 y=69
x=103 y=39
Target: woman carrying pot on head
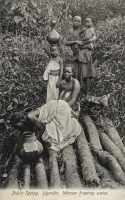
x=54 y=121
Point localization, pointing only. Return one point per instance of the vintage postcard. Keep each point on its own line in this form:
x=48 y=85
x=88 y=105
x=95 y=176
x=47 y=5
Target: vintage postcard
x=62 y=96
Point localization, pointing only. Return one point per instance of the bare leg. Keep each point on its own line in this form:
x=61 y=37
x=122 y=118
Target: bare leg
x=88 y=86
x=76 y=69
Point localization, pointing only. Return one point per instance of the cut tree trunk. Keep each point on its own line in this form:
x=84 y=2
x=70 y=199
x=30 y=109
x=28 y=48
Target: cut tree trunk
x=55 y=181
x=72 y=179
x=107 y=179
x=90 y=176
x=13 y=175
x=26 y=176
x=113 y=134
x=112 y=149
x=92 y=132
x=111 y=163
x=40 y=173
x=104 y=157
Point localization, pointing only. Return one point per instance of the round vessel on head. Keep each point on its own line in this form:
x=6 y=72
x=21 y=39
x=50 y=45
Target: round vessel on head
x=53 y=37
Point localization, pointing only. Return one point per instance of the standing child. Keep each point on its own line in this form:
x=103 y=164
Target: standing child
x=81 y=42
x=85 y=68
x=53 y=74
x=73 y=41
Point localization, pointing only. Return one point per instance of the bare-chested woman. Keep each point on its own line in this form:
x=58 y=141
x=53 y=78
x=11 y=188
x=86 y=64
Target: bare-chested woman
x=70 y=89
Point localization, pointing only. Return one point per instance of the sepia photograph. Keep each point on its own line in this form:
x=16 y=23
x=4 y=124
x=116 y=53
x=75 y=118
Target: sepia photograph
x=62 y=99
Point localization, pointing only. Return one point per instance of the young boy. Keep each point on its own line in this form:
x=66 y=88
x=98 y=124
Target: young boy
x=69 y=90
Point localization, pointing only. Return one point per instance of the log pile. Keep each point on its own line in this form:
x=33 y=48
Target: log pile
x=103 y=147
x=97 y=159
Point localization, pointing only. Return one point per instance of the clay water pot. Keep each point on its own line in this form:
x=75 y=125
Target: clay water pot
x=53 y=37
x=29 y=148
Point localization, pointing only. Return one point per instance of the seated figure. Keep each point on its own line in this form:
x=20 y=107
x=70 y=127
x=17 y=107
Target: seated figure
x=69 y=90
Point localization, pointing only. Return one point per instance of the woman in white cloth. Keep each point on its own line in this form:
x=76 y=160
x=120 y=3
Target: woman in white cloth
x=60 y=129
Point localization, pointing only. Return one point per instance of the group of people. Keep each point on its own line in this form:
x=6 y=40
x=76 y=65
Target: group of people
x=59 y=114
x=81 y=42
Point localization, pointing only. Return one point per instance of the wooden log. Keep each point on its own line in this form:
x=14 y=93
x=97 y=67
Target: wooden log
x=90 y=176
x=26 y=176
x=92 y=132
x=107 y=179
x=40 y=173
x=112 y=149
x=104 y=157
x=13 y=175
x=113 y=134
x=111 y=163
x=72 y=178
x=55 y=181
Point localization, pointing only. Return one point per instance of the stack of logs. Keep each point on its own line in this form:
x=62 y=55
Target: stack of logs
x=97 y=159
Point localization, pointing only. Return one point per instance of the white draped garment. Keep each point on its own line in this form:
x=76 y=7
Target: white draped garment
x=61 y=130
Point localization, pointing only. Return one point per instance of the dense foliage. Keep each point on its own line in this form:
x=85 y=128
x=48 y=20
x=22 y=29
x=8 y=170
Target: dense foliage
x=24 y=24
